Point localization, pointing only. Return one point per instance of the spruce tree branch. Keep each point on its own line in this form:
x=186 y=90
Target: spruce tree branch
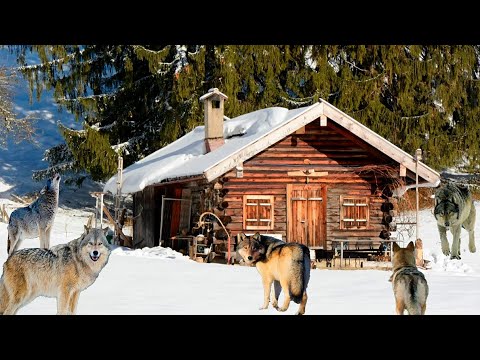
x=294 y=101
x=52 y=62
x=355 y=66
x=371 y=79
x=415 y=116
x=79 y=98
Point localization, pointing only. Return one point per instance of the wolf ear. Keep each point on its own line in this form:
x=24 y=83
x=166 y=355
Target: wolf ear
x=257 y=236
x=105 y=230
x=240 y=237
x=395 y=247
x=411 y=246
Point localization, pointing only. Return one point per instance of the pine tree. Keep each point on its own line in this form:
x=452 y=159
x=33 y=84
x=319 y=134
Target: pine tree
x=136 y=99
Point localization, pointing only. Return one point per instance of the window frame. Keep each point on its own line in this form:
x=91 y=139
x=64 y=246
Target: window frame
x=365 y=202
x=271 y=221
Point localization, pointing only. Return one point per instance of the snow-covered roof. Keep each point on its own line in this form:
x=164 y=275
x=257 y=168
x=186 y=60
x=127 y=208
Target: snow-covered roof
x=187 y=156
x=245 y=136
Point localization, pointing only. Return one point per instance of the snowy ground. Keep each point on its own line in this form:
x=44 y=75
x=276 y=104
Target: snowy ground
x=162 y=281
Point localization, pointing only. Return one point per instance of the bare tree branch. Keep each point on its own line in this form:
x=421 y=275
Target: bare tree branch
x=19 y=129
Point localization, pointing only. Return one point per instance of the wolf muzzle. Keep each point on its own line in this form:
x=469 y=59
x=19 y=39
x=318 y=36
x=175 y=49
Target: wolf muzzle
x=94 y=255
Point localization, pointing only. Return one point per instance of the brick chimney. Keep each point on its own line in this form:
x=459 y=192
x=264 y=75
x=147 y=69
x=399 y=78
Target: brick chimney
x=213 y=104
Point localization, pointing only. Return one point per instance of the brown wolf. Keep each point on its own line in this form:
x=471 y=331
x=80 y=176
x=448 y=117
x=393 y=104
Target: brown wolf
x=410 y=287
x=62 y=272
x=286 y=265
x=36 y=219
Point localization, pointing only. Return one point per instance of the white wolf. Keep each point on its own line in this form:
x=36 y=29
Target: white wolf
x=36 y=219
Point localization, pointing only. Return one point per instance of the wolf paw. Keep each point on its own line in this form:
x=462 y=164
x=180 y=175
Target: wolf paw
x=472 y=249
x=281 y=309
x=275 y=305
x=263 y=307
x=445 y=251
x=455 y=257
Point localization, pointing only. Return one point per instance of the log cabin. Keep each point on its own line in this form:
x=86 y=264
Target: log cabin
x=312 y=175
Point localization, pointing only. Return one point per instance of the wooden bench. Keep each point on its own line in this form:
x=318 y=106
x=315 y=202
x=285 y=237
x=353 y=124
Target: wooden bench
x=346 y=241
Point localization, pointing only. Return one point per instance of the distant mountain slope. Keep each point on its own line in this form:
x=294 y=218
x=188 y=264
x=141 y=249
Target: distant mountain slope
x=18 y=161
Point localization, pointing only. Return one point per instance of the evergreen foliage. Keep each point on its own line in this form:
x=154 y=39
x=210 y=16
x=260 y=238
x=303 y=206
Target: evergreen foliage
x=135 y=99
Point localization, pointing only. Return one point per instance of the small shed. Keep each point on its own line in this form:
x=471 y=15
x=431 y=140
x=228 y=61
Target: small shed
x=312 y=175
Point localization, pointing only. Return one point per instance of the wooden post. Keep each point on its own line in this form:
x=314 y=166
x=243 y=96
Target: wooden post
x=96 y=210
x=101 y=212
x=119 y=191
x=418 y=157
x=98 y=207
x=419 y=253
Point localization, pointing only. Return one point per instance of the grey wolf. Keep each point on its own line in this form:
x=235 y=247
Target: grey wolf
x=453 y=210
x=286 y=265
x=36 y=219
x=61 y=272
x=410 y=287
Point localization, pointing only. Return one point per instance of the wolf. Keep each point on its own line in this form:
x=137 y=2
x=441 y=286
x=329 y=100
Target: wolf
x=62 y=272
x=410 y=287
x=36 y=219
x=453 y=210
x=286 y=265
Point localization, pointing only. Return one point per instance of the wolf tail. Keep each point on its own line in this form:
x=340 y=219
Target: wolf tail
x=301 y=277
x=418 y=293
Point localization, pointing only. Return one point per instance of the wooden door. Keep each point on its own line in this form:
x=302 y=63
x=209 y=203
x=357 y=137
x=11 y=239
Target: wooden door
x=306 y=210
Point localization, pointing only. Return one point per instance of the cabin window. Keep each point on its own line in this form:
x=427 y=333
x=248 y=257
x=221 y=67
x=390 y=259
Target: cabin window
x=258 y=212
x=354 y=212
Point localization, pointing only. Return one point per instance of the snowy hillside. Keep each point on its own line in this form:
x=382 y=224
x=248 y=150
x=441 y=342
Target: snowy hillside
x=19 y=160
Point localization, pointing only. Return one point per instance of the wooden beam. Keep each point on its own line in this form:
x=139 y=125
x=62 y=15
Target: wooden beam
x=19 y=199
x=105 y=210
x=4 y=214
x=300 y=131
x=323 y=120
x=127 y=240
x=403 y=170
x=308 y=172
x=178 y=181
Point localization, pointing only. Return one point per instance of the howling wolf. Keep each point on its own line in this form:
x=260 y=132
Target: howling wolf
x=286 y=265
x=62 y=271
x=454 y=209
x=36 y=219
